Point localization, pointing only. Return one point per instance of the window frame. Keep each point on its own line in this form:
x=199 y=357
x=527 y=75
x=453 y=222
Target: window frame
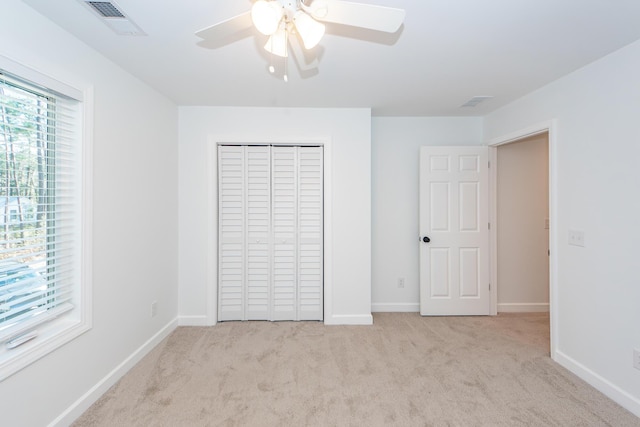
x=68 y=326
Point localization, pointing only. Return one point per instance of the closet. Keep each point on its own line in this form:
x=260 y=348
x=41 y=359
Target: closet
x=270 y=232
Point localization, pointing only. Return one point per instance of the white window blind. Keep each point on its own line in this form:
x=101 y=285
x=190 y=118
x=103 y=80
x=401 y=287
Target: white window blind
x=40 y=180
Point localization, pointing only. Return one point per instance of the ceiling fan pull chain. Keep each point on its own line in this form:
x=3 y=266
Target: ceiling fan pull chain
x=272 y=69
x=286 y=62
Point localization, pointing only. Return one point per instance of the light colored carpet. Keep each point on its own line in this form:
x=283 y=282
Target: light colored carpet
x=405 y=370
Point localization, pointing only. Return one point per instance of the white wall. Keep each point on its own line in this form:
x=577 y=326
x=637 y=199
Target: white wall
x=596 y=163
x=522 y=232
x=349 y=134
x=396 y=143
x=136 y=185
x=135 y=219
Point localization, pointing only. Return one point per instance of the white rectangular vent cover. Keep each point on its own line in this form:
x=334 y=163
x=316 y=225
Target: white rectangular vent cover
x=473 y=102
x=113 y=16
x=106 y=9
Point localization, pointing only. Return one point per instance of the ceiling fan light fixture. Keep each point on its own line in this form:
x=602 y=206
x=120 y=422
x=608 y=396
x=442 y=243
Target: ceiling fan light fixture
x=310 y=30
x=266 y=16
x=277 y=43
x=279 y=19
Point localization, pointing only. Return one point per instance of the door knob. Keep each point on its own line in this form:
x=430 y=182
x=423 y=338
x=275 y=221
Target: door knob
x=426 y=239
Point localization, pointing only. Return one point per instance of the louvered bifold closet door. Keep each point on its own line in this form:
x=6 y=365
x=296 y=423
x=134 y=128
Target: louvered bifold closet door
x=297 y=233
x=231 y=233
x=258 y=225
x=270 y=233
x=244 y=231
x=285 y=212
x=310 y=233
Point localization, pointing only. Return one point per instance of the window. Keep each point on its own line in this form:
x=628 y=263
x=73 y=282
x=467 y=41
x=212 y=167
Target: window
x=43 y=281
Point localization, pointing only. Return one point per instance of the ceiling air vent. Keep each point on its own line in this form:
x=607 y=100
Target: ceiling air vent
x=473 y=102
x=106 y=9
x=113 y=16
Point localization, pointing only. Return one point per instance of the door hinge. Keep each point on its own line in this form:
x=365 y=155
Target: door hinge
x=489 y=165
x=489 y=225
x=489 y=286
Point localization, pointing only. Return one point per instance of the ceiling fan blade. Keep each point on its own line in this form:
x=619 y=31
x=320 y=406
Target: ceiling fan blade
x=373 y=17
x=228 y=28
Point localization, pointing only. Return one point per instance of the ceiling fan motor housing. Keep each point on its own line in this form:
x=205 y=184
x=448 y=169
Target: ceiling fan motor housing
x=290 y=8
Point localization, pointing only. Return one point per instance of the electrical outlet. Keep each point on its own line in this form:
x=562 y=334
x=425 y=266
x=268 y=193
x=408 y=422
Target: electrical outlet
x=154 y=308
x=576 y=238
x=636 y=358
x=401 y=282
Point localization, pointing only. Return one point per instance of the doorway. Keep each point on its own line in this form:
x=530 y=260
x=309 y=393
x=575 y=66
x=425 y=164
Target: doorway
x=522 y=225
x=546 y=129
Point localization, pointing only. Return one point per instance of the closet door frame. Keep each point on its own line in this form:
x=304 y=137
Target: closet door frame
x=212 y=229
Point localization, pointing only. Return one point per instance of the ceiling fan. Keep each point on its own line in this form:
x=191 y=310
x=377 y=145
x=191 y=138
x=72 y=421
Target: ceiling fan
x=291 y=22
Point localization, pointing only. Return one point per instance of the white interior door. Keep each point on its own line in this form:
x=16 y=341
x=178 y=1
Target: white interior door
x=454 y=231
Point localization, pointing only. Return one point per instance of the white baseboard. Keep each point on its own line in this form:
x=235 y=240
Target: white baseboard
x=193 y=321
x=349 y=319
x=523 y=308
x=399 y=307
x=89 y=398
x=615 y=393
x=345 y=319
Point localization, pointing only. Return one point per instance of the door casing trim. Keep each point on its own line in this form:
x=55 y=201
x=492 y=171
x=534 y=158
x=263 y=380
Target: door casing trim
x=212 y=214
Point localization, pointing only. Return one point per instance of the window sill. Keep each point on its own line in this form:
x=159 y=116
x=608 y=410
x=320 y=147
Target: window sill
x=50 y=337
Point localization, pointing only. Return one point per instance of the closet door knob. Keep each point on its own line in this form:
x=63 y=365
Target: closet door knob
x=426 y=239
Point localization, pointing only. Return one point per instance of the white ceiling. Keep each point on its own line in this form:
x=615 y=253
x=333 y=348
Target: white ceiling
x=447 y=52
